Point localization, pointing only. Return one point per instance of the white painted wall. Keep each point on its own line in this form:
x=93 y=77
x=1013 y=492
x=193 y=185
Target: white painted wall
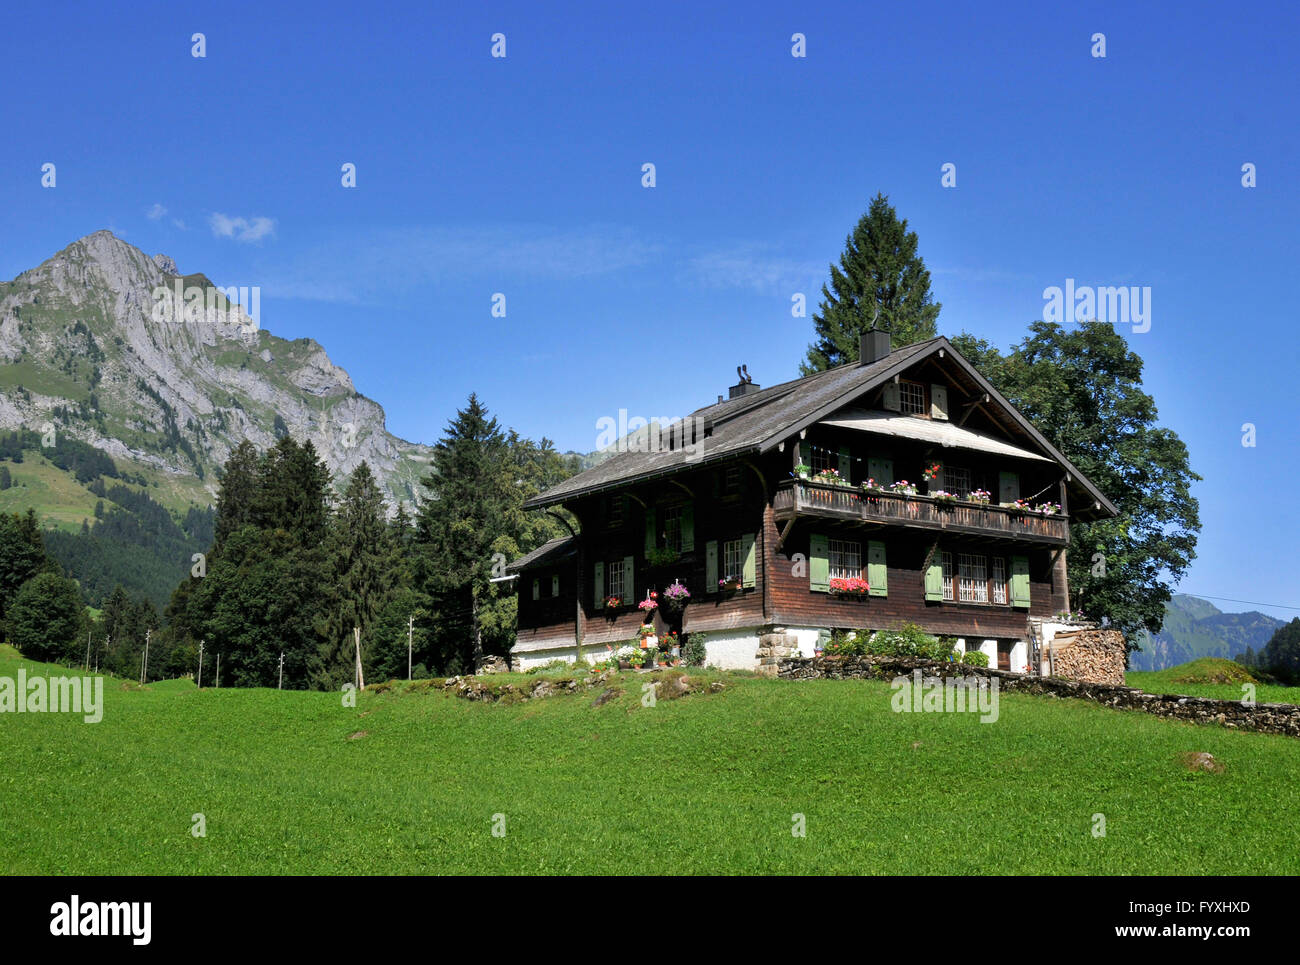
x=732 y=649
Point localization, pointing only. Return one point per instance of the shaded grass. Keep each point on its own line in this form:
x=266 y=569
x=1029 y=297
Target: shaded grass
x=707 y=783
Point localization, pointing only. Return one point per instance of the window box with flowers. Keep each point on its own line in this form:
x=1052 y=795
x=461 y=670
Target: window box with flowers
x=613 y=602
x=1047 y=509
x=830 y=477
x=981 y=496
x=871 y=486
x=1020 y=507
x=661 y=557
x=850 y=588
x=943 y=497
x=729 y=584
x=903 y=488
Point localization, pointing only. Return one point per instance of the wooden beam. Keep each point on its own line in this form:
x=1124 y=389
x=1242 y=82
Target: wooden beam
x=780 y=540
x=682 y=486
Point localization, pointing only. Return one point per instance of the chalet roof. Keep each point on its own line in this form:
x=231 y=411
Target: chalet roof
x=547 y=554
x=757 y=422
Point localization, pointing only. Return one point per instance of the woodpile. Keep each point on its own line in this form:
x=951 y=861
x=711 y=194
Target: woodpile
x=1096 y=656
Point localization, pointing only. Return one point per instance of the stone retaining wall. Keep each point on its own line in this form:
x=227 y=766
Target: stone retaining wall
x=1265 y=718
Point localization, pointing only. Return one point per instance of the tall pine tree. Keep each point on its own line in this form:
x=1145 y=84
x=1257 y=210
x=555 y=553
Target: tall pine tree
x=881 y=281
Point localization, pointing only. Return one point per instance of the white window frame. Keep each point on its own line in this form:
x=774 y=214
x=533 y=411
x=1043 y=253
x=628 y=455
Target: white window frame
x=972 y=578
x=733 y=560
x=950 y=476
x=998 y=580
x=614 y=578
x=673 y=528
x=905 y=393
x=945 y=562
x=844 y=558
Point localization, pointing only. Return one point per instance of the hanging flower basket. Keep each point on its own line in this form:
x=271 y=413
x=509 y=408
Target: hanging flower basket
x=676 y=596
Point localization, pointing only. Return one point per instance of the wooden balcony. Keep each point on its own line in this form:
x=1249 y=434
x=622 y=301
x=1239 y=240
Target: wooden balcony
x=797 y=497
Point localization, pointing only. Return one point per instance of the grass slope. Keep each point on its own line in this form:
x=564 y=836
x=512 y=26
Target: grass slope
x=1211 y=677
x=707 y=783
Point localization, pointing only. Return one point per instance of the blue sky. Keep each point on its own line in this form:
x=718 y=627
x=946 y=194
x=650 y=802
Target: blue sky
x=478 y=175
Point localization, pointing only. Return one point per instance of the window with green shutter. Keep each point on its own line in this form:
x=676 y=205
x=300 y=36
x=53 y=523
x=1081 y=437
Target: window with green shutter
x=1020 y=581
x=881 y=470
x=938 y=401
x=651 y=536
x=598 y=587
x=877 y=572
x=1008 y=487
x=629 y=584
x=711 y=566
x=688 y=528
x=537 y=589
x=844 y=460
x=819 y=564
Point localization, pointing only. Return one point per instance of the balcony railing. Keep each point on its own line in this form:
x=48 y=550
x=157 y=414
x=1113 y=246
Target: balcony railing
x=798 y=497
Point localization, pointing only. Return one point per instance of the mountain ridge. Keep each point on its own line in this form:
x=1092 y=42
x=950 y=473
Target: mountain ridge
x=84 y=352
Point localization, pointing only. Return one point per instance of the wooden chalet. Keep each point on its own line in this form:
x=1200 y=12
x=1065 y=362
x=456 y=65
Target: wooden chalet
x=759 y=505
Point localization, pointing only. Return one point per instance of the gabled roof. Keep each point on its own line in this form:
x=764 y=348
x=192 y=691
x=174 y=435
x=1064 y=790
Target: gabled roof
x=547 y=554
x=758 y=422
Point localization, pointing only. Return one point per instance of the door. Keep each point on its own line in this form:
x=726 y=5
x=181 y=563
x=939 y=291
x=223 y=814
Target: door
x=1004 y=654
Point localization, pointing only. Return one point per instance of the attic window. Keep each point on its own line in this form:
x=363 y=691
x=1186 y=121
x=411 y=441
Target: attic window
x=911 y=398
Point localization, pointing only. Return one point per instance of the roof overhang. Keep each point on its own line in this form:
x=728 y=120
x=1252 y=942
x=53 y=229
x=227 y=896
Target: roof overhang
x=934 y=431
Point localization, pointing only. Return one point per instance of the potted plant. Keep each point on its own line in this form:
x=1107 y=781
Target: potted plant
x=1048 y=509
x=636 y=659
x=903 y=488
x=830 y=477
x=871 y=486
x=981 y=496
x=648 y=638
x=613 y=601
x=1019 y=507
x=676 y=596
x=662 y=557
x=728 y=584
x=802 y=471
x=931 y=472
x=649 y=604
x=943 y=497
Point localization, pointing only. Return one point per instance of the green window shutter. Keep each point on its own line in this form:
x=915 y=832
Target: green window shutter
x=934 y=579
x=711 y=566
x=877 y=572
x=555 y=586
x=537 y=589
x=688 y=528
x=598 y=587
x=1008 y=487
x=881 y=470
x=890 y=398
x=844 y=463
x=819 y=564
x=629 y=583
x=649 y=529
x=1020 y=581
x=938 y=401
x=749 y=574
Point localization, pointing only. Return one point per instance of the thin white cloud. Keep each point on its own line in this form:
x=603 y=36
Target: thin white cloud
x=241 y=229
x=180 y=224
x=156 y=212
x=359 y=268
x=757 y=268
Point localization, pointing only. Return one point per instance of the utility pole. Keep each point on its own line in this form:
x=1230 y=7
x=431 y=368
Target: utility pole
x=280 y=685
x=88 y=633
x=410 y=630
x=144 y=659
x=218 y=668
x=200 y=681
x=361 y=679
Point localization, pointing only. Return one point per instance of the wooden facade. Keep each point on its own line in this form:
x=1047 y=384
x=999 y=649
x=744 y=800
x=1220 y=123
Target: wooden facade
x=954 y=567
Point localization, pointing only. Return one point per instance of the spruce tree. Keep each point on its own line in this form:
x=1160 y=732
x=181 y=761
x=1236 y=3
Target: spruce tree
x=881 y=281
x=236 y=497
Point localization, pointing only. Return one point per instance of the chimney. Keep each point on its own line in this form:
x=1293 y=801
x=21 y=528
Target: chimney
x=873 y=347
x=745 y=385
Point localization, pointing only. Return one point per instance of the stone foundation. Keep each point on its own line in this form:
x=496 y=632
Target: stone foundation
x=774 y=646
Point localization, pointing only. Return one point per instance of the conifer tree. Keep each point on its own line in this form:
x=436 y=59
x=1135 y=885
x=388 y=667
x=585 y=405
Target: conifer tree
x=881 y=281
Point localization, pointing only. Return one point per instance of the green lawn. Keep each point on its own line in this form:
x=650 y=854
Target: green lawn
x=409 y=781
x=1199 y=679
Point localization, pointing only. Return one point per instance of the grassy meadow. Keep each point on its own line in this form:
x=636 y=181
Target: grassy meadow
x=409 y=781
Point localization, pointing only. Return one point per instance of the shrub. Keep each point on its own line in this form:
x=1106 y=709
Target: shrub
x=909 y=640
x=694 y=652
x=844 y=644
x=975 y=658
